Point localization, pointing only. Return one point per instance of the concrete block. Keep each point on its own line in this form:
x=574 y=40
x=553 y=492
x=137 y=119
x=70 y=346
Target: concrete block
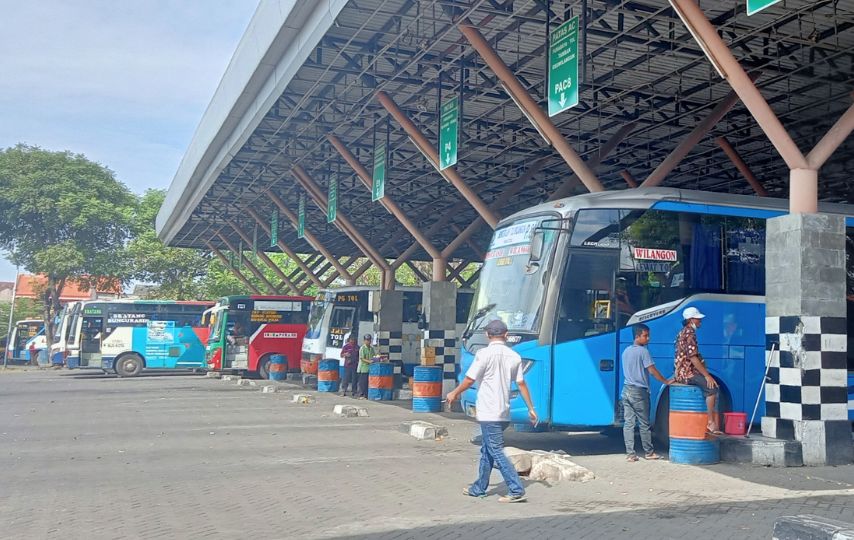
x=269 y=389
x=349 y=411
x=810 y=527
x=423 y=431
x=245 y=382
x=309 y=380
x=522 y=460
x=554 y=468
x=304 y=399
x=403 y=394
x=230 y=378
x=759 y=450
x=296 y=377
x=213 y=374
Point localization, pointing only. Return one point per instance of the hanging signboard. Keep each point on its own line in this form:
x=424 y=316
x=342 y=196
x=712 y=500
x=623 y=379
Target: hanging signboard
x=301 y=217
x=332 y=199
x=449 y=123
x=563 y=67
x=755 y=6
x=274 y=227
x=378 y=185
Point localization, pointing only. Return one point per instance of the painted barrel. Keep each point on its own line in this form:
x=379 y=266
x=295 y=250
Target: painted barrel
x=427 y=389
x=309 y=366
x=327 y=376
x=278 y=367
x=689 y=442
x=381 y=381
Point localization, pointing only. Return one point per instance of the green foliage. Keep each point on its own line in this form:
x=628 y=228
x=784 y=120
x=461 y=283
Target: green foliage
x=25 y=308
x=63 y=216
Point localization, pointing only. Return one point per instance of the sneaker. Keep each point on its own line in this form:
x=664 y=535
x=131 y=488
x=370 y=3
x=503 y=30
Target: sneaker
x=469 y=493
x=512 y=499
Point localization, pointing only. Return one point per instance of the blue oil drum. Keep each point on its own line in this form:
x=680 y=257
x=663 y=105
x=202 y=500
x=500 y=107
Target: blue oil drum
x=328 y=375
x=427 y=389
x=381 y=381
x=278 y=367
x=689 y=442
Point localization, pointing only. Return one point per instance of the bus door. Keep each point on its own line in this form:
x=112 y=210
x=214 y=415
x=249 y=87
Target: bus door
x=585 y=355
x=90 y=341
x=342 y=321
x=237 y=334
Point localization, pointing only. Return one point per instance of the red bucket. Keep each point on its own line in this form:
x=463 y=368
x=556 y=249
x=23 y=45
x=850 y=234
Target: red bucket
x=735 y=423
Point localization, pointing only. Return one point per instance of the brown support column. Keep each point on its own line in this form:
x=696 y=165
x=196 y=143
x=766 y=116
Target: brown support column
x=309 y=236
x=529 y=107
x=263 y=256
x=450 y=212
x=252 y=268
x=742 y=167
x=690 y=142
x=630 y=180
x=349 y=229
x=432 y=156
x=610 y=145
x=285 y=249
x=239 y=275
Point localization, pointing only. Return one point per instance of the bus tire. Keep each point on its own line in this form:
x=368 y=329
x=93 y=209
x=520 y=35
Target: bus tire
x=661 y=428
x=129 y=365
x=264 y=367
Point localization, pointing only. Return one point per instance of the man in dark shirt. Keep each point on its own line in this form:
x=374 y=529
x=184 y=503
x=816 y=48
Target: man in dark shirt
x=350 y=355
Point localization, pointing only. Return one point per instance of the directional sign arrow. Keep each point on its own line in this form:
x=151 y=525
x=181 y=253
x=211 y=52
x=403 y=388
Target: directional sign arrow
x=562 y=99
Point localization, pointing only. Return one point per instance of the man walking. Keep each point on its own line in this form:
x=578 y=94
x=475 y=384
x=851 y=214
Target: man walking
x=494 y=368
x=637 y=365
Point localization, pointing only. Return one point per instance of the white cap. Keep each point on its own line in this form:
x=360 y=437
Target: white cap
x=692 y=313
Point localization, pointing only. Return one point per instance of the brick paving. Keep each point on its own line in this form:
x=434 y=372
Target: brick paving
x=182 y=456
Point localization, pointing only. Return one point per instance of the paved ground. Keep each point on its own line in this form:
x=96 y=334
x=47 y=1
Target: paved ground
x=182 y=456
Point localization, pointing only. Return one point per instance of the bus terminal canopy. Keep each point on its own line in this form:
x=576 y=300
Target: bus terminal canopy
x=316 y=87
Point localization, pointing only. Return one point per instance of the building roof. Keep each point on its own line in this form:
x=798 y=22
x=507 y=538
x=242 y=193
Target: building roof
x=30 y=286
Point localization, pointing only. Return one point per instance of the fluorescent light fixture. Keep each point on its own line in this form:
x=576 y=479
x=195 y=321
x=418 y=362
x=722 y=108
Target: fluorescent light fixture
x=719 y=68
x=528 y=116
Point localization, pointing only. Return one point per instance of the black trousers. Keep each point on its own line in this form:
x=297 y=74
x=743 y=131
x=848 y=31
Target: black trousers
x=363 y=385
x=349 y=380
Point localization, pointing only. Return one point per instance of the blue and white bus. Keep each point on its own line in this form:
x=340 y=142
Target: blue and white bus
x=126 y=336
x=569 y=277
x=26 y=339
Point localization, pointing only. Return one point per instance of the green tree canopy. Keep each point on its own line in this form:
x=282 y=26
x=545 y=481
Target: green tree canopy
x=63 y=216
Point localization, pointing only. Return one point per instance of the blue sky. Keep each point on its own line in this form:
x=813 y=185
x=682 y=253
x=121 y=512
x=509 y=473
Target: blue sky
x=124 y=83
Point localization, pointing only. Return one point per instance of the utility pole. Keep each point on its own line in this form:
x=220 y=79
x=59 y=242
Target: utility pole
x=11 y=314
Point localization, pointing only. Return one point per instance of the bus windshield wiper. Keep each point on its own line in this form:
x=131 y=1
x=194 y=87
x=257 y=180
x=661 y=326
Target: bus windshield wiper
x=479 y=314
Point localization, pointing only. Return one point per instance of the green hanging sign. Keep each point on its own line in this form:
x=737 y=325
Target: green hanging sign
x=274 y=228
x=378 y=180
x=755 y=6
x=563 y=67
x=301 y=217
x=449 y=124
x=332 y=199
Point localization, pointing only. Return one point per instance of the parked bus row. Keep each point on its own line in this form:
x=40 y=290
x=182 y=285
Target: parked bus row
x=569 y=278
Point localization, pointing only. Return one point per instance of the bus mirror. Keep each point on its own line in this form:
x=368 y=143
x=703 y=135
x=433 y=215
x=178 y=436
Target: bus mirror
x=536 y=247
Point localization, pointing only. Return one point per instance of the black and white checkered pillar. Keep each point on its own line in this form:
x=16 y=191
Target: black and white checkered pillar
x=439 y=342
x=806 y=396
x=390 y=345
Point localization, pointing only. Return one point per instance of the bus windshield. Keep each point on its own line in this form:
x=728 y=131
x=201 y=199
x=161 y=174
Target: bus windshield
x=510 y=288
x=315 y=318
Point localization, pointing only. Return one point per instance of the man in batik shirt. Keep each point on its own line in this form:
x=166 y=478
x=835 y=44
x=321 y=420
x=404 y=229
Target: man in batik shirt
x=689 y=365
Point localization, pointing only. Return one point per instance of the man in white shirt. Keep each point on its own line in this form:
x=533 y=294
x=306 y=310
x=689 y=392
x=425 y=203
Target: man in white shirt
x=494 y=369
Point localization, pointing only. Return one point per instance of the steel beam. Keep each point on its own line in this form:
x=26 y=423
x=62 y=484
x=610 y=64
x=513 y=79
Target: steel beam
x=690 y=142
x=610 y=145
x=418 y=273
x=349 y=229
x=263 y=256
x=529 y=107
x=429 y=151
x=239 y=275
x=309 y=236
x=284 y=247
x=474 y=277
x=252 y=268
x=835 y=136
x=387 y=202
x=742 y=167
x=630 y=180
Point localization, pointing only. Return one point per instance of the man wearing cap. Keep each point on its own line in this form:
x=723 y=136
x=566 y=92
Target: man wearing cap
x=366 y=355
x=494 y=369
x=689 y=365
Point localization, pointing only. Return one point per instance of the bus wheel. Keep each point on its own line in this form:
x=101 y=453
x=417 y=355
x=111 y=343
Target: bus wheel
x=661 y=428
x=129 y=365
x=264 y=367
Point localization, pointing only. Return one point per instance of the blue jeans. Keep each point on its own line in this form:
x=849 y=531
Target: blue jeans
x=492 y=453
x=636 y=408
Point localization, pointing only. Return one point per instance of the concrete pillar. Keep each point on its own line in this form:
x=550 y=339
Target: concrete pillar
x=806 y=396
x=439 y=345
x=387 y=307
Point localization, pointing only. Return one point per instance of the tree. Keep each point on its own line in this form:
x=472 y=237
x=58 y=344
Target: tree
x=177 y=273
x=63 y=216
